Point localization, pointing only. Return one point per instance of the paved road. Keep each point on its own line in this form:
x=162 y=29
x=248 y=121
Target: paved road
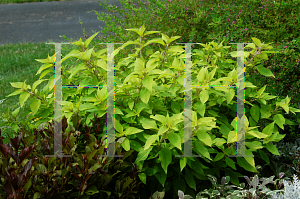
x=45 y=21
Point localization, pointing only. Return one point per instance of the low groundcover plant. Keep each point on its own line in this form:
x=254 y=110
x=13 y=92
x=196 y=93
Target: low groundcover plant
x=149 y=108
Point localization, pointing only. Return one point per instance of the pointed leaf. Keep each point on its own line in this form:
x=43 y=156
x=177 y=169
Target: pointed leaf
x=159 y=118
x=272 y=148
x=23 y=98
x=268 y=130
x=232 y=137
x=143 y=154
x=256 y=42
x=161 y=177
x=132 y=130
x=43 y=67
x=279 y=120
x=205 y=138
x=151 y=139
x=175 y=140
x=145 y=95
x=203 y=150
x=264 y=71
x=254 y=111
x=204 y=96
x=230 y=163
x=148 y=124
x=190 y=179
x=148 y=82
x=17 y=92
x=165 y=156
x=126 y=144
x=182 y=163
x=34 y=105
x=88 y=41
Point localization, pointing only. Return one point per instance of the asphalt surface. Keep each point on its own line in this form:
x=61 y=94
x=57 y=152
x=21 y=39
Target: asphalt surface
x=45 y=21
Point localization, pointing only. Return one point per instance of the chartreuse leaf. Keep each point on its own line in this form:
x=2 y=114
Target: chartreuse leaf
x=254 y=145
x=201 y=75
x=264 y=71
x=232 y=137
x=279 y=120
x=204 y=96
x=165 y=156
x=256 y=42
x=132 y=130
x=205 y=138
x=212 y=74
x=230 y=95
x=162 y=130
x=15 y=112
x=79 y=43
x=45 y=73
x=261 y=90
x=263 y=55
x=247 y=162
x=257 y=134
x=148 y=82
x=182 y=163
x=143 y=154
x=118 y=126
x=16 y=92
x=51 y=83
x=75 y=70
x=45 y=61
x=34 y=105
x=159 y=118
x=148 y=123
x=265 y=111
x=130 y=104
x=145 y=95
x=219 y=142
x=23 y=98
x=268 y=130
x=151 y=139
x=126 y=144
x=43 y=67
x=88 y=41
x=272 y=148
x=175 y=140
x=35 y=84
x=87 y=54
x=202 y=149
x=139 y=31
x=101 y=63
x=150 y=32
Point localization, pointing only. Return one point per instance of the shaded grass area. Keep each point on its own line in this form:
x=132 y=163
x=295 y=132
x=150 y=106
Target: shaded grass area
x=17 y=63
x=26 y=1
